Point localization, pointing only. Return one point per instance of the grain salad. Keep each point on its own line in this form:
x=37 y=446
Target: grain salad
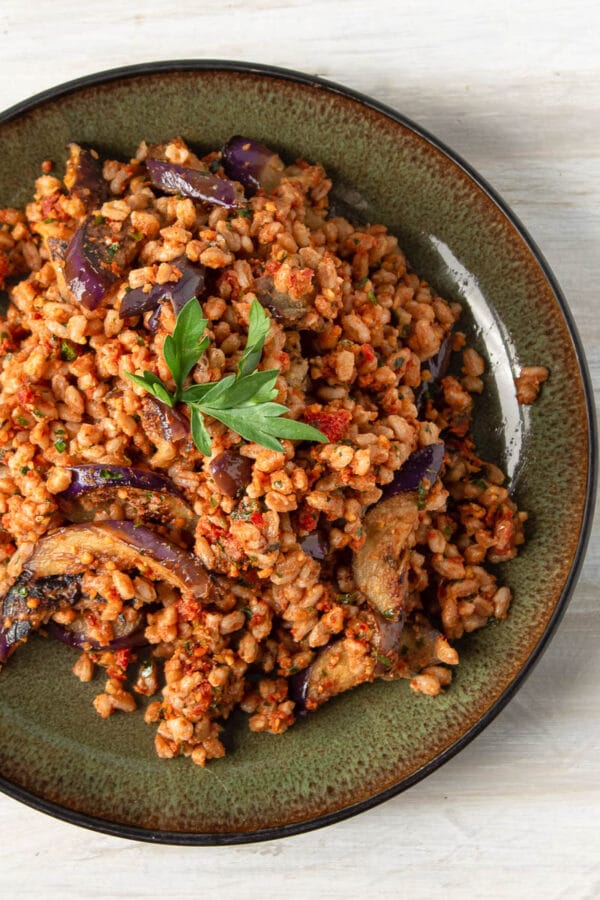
x=236 y=466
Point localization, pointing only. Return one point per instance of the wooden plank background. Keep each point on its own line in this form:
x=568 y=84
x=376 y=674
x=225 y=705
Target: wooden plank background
x=514 y=88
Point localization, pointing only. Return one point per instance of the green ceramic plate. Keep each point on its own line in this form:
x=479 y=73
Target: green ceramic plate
x=366 y=746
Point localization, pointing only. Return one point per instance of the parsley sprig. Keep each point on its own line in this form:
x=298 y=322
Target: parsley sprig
x=242 y=401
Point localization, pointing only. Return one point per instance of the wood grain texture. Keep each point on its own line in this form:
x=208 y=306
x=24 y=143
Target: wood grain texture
x=516 y=91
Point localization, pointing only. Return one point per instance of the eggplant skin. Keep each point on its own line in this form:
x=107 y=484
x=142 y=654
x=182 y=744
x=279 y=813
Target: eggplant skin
x=30 y=602
x=192 y=283
x=196 y=183
x=83 y=177
x=425 y=463
x=438 y=366
x=231 y=472
x=252 y=164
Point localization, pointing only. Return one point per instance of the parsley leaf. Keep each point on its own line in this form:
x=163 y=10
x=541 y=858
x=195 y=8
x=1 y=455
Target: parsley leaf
x=232 y=391
x=259 y=324
x=200 y=434
x=184 y=347
x=153 y=385
x=383 y=660
x=242 y=401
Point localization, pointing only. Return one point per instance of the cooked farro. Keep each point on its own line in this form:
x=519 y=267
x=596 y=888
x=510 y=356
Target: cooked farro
x=269 y=579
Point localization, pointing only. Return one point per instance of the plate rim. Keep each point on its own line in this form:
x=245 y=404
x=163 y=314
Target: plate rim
x=159 y=836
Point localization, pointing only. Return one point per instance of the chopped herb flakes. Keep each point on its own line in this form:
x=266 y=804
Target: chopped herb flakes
x=110 y=473
x=67 y=352
x=383 y=660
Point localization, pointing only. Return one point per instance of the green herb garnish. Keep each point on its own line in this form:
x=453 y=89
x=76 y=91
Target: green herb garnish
x=382 y=659
x=111 y=250
x=23 y=421
x=421 y=496
x=67 y=353
x=245 y=213
x=110 y=473
x=242 y=402
x=372 y=297
x=60 y=445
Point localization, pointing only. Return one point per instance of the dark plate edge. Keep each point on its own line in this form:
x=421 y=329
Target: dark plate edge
x=219 y=839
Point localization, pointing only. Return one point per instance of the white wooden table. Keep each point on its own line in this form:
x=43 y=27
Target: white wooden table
x=515 y=88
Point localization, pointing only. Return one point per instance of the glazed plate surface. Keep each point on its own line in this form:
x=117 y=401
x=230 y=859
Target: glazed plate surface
x=365 y=746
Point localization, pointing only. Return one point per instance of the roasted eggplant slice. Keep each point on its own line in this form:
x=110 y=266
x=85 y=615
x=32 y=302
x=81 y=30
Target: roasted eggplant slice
x=422 y=645
x=420 y=465
x=437 y=366
x=284 y=307
x=79 y=633
x=390 y=650
x=231 y=472
x=95 y=260
x=30 y=602
x=200 y=185
x=371 y=652
x=191 y=283
x=83 y=178
x=380 y=566
x=161 y=422
x=49 y=580
x=144 y=495
x=252 y=164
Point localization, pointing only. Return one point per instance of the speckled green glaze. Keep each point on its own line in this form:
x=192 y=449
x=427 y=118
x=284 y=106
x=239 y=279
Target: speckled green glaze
x=367 y=744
